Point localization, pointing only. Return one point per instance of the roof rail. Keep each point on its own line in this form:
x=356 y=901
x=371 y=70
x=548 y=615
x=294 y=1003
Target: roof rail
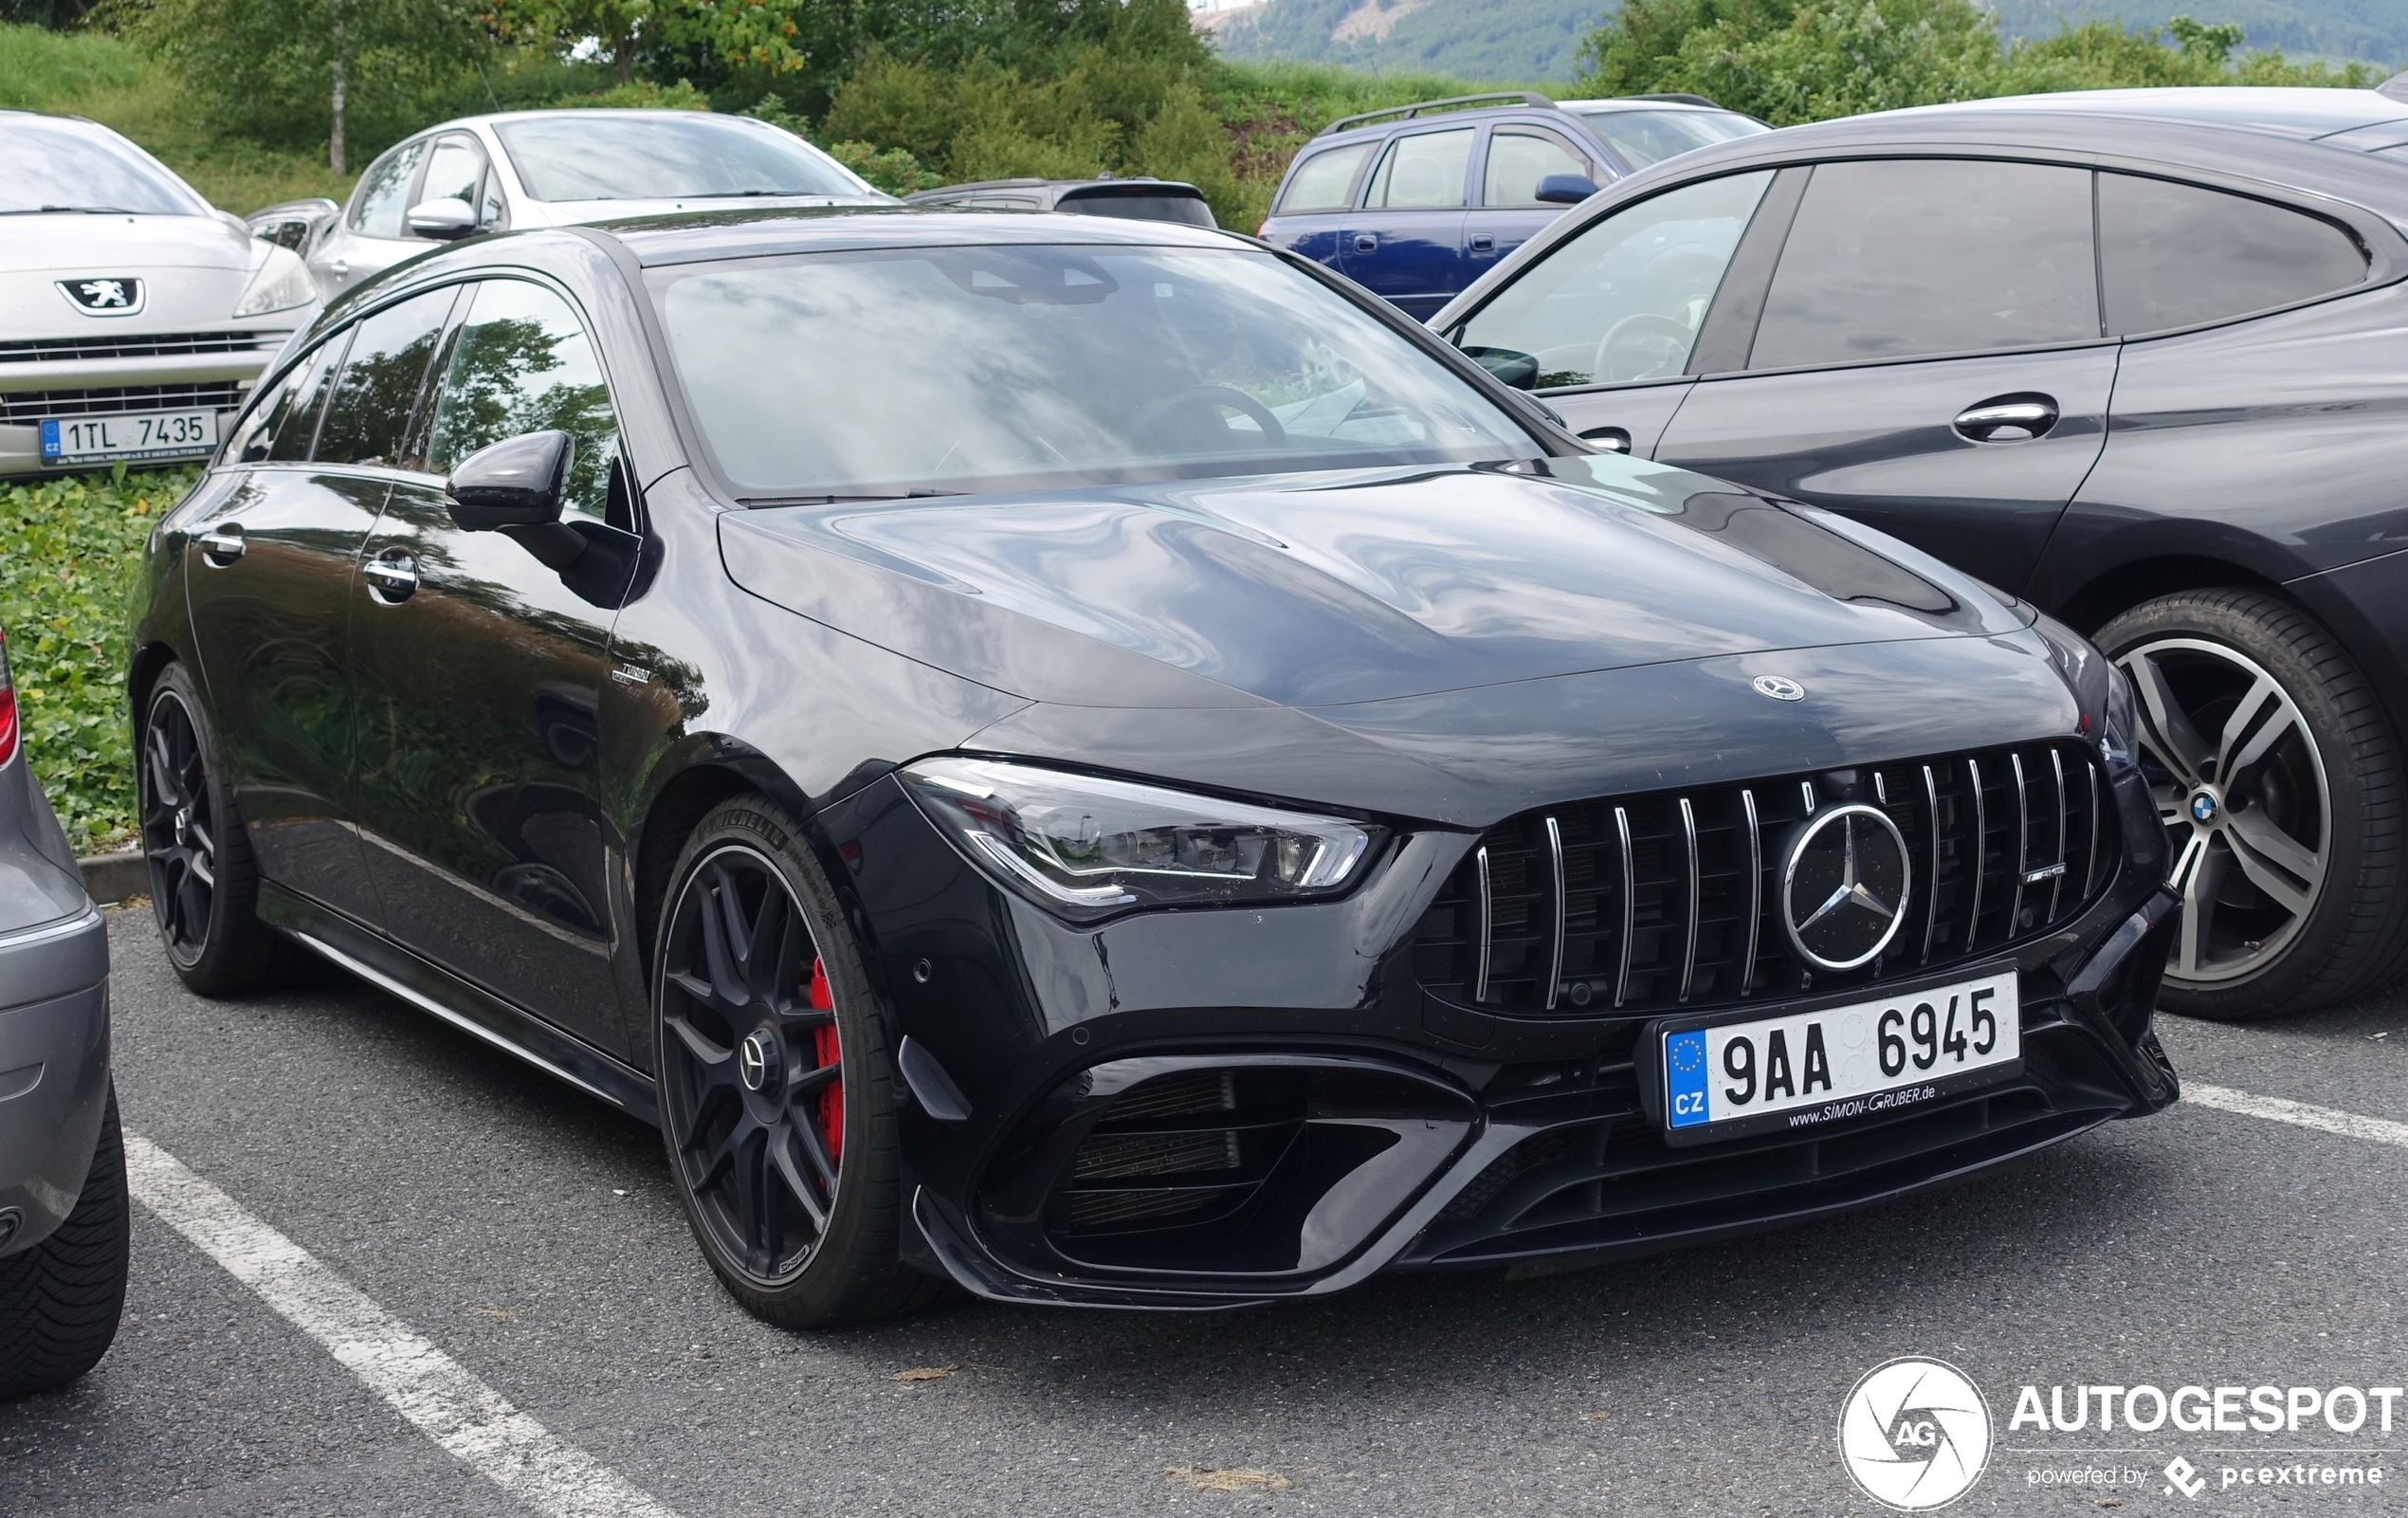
x=1524 y=97
x=1677 y=96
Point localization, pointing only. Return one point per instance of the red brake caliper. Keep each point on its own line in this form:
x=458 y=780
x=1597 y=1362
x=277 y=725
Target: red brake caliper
x=825 y=1046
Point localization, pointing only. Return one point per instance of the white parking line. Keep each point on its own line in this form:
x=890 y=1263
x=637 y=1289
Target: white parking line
x=422 y=1383
x=2349 y=1125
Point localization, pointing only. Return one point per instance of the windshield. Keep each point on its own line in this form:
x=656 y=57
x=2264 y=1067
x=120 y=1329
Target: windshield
x=692 y=156
x=1650 y=137
x=887 y=372
x=55 y=165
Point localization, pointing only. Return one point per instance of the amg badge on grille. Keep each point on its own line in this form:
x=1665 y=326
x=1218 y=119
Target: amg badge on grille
x=117 y=296
x=1844 y=887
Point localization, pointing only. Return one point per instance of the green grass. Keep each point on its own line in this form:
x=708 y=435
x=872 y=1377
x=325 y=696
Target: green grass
x=93 y=75
x=73 y=548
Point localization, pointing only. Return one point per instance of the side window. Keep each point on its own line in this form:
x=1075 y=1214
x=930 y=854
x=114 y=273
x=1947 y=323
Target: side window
x=2175 y=254
x=1625 y=297
x=523 y=364
x=291 y=423
x=454 y=171
x=1931 y=256
x=491 y=211
x=378 y=388
x=1324 y=181
x=382 y=201
x=1519 y=159
x=1423 y=171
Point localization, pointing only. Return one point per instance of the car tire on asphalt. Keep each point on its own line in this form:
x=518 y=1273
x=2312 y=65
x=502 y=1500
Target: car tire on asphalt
x=204 y=878
x=2278 y=778
x=777 y=1090
x=60 y=1301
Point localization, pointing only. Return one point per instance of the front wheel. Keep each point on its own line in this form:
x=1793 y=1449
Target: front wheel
x=776 y=1087
x=2277 y=780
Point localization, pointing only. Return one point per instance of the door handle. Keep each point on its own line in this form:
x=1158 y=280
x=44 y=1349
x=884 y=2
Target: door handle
x=221 y=546
x=1484 y=243
x=1366 y=242
x=391 y=577
x=2009 y=419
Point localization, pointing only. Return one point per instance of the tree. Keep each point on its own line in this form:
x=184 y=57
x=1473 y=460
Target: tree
x=735 y=34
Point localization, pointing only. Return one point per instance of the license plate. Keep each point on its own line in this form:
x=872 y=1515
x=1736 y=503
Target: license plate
x=1866 y=1059
x=128 y=435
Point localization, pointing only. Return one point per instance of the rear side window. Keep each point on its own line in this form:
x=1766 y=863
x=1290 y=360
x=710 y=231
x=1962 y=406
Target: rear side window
x=1186 y=209
x=384 y=193
x=1422 y=173
x=1931 y=256
x=378 y=389
x=2174 y=255
x=292 y=416
x=1518 y=159
x=523 y=364
x=1322 y=181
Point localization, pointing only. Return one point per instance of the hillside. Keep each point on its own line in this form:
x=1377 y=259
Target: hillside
x=1538 y=40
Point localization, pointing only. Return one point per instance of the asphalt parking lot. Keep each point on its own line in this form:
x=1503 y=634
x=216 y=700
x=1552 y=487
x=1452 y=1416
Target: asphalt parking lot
x=532 y=1235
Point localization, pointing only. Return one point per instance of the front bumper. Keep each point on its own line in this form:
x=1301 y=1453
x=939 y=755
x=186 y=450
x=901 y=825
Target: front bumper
x=208 y=370
x=1211 y=1109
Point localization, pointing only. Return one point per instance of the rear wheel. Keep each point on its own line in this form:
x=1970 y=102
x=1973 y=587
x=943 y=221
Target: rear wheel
x=776 y=1087
x=203 y=882
x=60 y=1301
x=2277 y=779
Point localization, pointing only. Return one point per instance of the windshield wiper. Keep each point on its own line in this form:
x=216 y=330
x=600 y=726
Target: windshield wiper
x=84 y=211
x=841 y=500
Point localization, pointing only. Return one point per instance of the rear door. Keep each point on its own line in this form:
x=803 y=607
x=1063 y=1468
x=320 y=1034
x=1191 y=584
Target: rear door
x=373 y=233
x=1318 y=199
x=1929 y=360
x=1406 y=240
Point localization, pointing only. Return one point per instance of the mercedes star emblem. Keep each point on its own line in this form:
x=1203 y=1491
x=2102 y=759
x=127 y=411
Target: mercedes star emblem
x=756 y=1062
x=1781 y=687
x=1844 y=887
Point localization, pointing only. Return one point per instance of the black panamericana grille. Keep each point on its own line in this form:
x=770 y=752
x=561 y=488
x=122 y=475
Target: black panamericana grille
x=24 y=406
x=152 y=345
x=1648 y=902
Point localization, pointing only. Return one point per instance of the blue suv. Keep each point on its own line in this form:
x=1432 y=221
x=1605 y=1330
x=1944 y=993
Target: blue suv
x=1416 y=201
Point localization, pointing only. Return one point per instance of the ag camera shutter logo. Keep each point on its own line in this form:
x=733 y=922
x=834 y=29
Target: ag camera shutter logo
x=1914 y=1434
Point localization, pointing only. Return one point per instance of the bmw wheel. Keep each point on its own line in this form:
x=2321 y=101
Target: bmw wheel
x=776 y=1087
x=2277 y=779
x=204 y=882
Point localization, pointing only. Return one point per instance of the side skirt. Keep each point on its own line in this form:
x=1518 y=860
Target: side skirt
x=443 y=995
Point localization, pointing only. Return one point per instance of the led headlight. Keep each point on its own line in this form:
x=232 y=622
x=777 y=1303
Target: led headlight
x=281 y=284
x=2119 y=731
x=2100 y=686
x=1087 y=847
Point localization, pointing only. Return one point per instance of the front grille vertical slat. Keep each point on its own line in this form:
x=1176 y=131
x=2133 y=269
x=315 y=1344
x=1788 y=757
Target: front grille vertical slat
x=1630 y=906
x=1689 y=953
x=1555 y=938
x=1755 y=891
x=1650 y=903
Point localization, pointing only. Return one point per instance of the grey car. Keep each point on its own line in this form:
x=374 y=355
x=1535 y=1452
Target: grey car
x=63 y=1195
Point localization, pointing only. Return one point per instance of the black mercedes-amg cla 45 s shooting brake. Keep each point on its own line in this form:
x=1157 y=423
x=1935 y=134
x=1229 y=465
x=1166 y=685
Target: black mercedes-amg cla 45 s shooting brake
x=1094 y=761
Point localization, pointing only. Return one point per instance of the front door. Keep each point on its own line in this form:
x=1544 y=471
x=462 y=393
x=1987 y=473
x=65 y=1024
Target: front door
x=1406 y=242
x=1518 y=159
x=1929 y=360
x=480 y=672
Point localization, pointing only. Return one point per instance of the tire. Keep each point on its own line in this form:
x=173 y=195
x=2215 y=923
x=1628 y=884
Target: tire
x=2278 y=778
x=204 y=878
x=60 y=1301
x=777 y=1089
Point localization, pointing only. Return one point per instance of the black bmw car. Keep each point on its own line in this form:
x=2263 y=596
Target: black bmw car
x=2131 y=355
x=1093 y=761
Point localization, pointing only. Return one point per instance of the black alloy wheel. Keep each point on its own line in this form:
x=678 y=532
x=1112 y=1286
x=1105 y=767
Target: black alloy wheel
x=203 y=882
x=776 y=1095
x=2275 y=776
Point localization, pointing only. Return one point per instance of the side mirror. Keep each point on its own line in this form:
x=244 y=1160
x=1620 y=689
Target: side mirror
x=519 y=482
x=1511 y=366
x=1555 y=190
x=443 y=220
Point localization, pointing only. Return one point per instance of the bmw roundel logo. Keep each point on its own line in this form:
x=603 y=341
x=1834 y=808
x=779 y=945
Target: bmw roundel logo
x=1844 y=887
x=1781 y=687
x=2203 y=808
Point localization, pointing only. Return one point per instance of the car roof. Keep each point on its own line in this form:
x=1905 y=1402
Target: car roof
x=1642 y=102
x=1175 y=187
x=2304 y=114
x=700 y=237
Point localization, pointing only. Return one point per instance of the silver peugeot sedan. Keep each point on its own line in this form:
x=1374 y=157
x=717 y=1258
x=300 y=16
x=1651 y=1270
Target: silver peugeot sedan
x=522 y=169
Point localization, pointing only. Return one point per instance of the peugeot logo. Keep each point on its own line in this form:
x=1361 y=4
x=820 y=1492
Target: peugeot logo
x=1779 y=687
x=1844 y=887
x=120 y=295
x=756 y=1062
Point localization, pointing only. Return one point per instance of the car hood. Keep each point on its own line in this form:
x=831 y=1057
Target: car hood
x=1325 y=590
x=192 y=270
